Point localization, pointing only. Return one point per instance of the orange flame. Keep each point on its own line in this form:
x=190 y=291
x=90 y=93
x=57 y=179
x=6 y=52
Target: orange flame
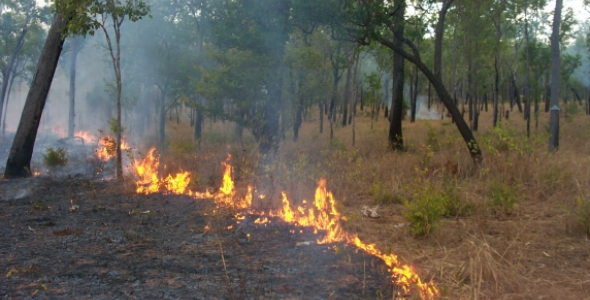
x=322 y=216
x=107 y=147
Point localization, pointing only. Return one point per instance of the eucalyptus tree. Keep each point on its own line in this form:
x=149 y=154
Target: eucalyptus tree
x=555 y=70
x=71 y=18
x=109 y=16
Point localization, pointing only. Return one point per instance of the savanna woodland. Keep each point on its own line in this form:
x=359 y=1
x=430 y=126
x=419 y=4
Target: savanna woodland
x=295 y=149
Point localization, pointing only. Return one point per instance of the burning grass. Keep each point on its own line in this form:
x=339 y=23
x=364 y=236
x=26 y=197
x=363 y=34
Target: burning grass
x=510 y=229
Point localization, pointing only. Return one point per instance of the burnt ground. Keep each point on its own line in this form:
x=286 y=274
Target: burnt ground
x=83 y=238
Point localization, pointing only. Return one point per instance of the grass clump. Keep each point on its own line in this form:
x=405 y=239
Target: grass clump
x=432 y=138
x=54 y=157
x=583 y=212
x=503 y=198
x=381 y=195
x=426 y=209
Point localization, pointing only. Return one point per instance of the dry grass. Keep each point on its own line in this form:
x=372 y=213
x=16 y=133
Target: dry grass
x=538 y=250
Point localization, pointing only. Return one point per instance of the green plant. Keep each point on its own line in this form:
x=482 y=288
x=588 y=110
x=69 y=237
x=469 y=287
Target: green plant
x=431 y=138
x=383 y=196
x=504 y=198
x=54 y=157
x=455 y=204
x=425 y=210
x=583 y=212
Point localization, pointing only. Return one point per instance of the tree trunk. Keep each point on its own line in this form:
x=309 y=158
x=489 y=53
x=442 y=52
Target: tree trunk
x=555 y=67
x=72 y=112
x=414 y=95
x=396 y=141
x=12 y=78
x=21 y=151
x=270 y=129
x=443 y=94
x=527 y=89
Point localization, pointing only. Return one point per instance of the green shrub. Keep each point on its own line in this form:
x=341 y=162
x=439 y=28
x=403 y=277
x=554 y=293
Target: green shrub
x=425 y=210
x=583 y=212
x=455 y=205
x=504 y=199
x=54 y=157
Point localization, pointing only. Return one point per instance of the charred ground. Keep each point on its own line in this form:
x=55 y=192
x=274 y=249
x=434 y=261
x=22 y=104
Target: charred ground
x=86 y=238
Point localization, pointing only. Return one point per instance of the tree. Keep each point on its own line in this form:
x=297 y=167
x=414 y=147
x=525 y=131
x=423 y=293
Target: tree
x=72 y=17
x=21 y=151
x=111 y=14
x=76 y=45
x=14 y=39
x=555 y=73
x=396 y=141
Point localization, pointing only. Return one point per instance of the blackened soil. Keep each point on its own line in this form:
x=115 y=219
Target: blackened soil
x=81 y=238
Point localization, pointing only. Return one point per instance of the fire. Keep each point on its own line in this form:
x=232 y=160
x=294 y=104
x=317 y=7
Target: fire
x=107 y=147
x=86 y=136
x=148 y=183
x=321 y=215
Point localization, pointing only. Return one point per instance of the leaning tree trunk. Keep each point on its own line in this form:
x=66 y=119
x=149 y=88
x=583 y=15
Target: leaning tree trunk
x=555 y=70
x=443 y=94
x=19 y=159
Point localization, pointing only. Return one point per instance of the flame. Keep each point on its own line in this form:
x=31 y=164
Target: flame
x=321 y=215
x=107 y=147
x=86 y=136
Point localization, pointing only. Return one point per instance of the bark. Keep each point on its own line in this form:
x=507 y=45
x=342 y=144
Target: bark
x=21 y=151
x=199 y=120
x=396 y=141
x=72 y=112
x=527 y=89
x=270 y=128
x=555 y=70
x=347 y=88
x=414 y=95
x=440 y=25
x=321 y=117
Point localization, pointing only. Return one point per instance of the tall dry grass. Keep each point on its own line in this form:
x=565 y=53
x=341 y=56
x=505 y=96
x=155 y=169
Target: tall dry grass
x=535 y=249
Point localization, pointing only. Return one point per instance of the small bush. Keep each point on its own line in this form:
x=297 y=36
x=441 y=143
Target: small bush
x=583 y=212
x=504 y=199
x=54 y=157
x=425 y=210
x=455 y=205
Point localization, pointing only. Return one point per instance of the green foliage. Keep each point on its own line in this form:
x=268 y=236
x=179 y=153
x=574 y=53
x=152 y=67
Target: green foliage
x=432 y=138
x=426 y=209
x=500 y=139
x=114 y=126
x=54 y=157
x=381 y=195
x=503 y=197
x=572 y=109
x=583 y=212
x=456 y=205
